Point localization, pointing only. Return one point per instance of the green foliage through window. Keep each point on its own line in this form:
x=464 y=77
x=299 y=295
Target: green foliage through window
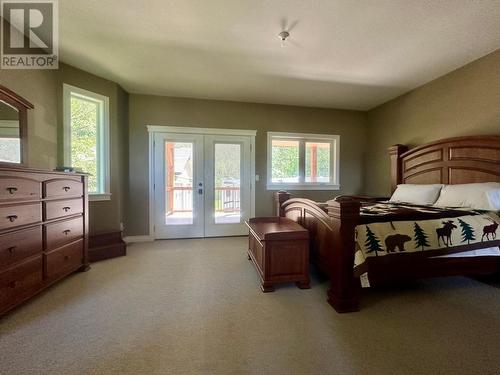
x=322 y=171
x=227 y=164
x=285 y=161
x=85 y=119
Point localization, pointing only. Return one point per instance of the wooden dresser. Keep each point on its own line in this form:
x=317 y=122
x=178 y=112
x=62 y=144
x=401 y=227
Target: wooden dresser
x=43 y=231
x=279 y=250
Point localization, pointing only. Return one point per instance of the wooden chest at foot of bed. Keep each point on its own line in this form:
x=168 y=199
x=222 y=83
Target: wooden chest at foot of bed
x=279 y=250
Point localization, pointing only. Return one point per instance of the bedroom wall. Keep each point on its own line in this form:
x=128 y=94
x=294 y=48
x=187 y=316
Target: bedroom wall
x=105 y=216
x=43 y=88
x=463 y=102
x=157 y=110
x=40 y=88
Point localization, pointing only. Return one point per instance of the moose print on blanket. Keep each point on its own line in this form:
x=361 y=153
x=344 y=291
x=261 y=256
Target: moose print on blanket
x=450 y=235
x=444 y=233
x=490 y=229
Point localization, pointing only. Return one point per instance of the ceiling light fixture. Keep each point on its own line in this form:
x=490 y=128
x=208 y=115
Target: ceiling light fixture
x=283 y=35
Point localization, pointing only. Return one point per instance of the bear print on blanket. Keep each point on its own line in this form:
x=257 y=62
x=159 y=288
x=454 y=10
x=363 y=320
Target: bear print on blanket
x=441 y=236
x=396 y=241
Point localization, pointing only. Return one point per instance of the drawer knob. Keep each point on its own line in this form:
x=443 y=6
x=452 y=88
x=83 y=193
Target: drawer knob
x=12 y=218
x=13 y=284
x=66 y=232
x=12 y=190
x=66 y=188
x=11 y=249
x=66 y=257
x=66 y=209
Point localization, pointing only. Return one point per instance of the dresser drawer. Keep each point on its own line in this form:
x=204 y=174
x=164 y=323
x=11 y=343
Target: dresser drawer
x=16 y=188
x=64 y=260
x=19 y=245
x=21 y=214
x=17 y=281
x=62 y=188
x=55 y=209
x=62 y=232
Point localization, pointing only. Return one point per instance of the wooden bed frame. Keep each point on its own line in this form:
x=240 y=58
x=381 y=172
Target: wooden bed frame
x=331 y=225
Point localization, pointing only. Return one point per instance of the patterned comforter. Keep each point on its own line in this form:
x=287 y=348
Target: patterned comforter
x=390 y=229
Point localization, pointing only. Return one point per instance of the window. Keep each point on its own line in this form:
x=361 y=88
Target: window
x=302 y=161
x=86 y=138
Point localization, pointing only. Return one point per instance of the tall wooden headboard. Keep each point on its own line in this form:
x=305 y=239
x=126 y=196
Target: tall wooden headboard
x=458 y=160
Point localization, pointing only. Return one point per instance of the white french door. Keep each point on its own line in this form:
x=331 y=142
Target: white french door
x=178 y=185
x=227 y=185
x=202 y=184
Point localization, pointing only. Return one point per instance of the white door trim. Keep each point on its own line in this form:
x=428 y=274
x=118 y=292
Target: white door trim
x=205 y=131
x=153 y=129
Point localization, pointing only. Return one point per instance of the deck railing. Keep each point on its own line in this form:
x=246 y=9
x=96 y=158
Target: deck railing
x=180 y=199
x=227 y=199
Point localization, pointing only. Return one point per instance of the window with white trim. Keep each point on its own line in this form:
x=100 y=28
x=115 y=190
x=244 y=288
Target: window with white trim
x=298 y=161
x=86 y=138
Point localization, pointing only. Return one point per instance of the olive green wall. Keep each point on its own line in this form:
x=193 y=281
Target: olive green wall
x=463 y=102
x=40 y=88
x=156 y=110
x=121 y=160
x=43 y=88
x=105 y=216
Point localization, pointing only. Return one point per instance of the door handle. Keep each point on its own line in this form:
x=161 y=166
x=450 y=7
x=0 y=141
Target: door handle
x=200 y=191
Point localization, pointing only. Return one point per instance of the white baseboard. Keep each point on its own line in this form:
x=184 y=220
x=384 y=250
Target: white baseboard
x=132 y=239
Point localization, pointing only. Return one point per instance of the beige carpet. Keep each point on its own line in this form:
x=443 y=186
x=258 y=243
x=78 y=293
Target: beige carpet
x=194 y=307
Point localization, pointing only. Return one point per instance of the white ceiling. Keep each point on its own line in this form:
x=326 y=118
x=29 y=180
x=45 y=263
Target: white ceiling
x=342 y=53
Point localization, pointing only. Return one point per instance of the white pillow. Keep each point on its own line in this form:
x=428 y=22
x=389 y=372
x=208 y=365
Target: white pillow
x=493 y=196
x=416 y=194
x=479 y=196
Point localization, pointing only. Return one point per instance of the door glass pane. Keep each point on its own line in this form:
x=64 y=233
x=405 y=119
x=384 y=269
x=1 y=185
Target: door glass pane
x=285 y=161
x=178 y=183
x=227 y=159
x=317 y=162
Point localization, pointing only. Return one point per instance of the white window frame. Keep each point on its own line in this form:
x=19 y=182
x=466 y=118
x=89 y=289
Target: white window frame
x=334 y=141
x=104 y=167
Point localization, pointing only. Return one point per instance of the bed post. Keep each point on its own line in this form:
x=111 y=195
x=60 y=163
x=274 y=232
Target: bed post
x=396 y=168
x=343 y=294
x=280 y=197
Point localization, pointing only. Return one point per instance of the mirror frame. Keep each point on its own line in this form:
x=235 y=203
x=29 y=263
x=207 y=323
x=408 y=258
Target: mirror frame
x=22 y=106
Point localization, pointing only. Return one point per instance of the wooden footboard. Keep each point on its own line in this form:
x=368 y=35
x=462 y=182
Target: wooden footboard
x=331 y=228
x=332 y=224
